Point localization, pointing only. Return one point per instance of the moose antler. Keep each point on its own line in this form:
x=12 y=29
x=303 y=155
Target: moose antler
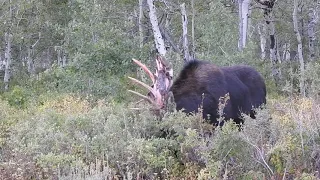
x=162 y=81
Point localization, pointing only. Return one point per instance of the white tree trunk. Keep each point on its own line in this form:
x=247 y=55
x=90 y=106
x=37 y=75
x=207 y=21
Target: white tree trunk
x=273 y=52
x=312 y=23
x=185 y=32
x=297 y=33
x=245 y=15
x=243 y=24
x=286 y=52
x=59 y=59
x=263 y=39
x=140 y=23
x=249 y=28
x=192 y=30
x=2 y=63
x=7 y=72
x=155 y=27
x=64 y=58
x=240 y=44
x=30 y=61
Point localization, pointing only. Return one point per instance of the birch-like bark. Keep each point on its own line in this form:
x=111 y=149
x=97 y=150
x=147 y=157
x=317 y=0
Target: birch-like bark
x=243 y=24
x=140 y=23
x=64 y=58
x=192 y=30
x=273 y=48
x=245 y=15
x=8 y=55
x=312 y=23
x=155 y=28
x=59 y=57
x=249 y=27
x=240 y=45
x=185 y=33
x=2 y=63
x=263 y=40
x=30 y=61
x=300 y=56
x=8 y=37
x=286 y=52
x=269 y=20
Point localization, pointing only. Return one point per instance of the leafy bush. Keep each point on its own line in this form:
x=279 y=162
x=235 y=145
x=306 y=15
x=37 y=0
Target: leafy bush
x=17 y=97
x=66 y=134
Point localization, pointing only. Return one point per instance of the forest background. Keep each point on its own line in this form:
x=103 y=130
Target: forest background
x=65 y=109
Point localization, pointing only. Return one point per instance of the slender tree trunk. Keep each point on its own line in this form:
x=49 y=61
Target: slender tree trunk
x=159 y=42
x=249 y=27
x=140 y=23
x=192 y=30
x=269 y=23
x=263 y=40
x=7 y=72
x=59 y=59
x=8 y=37
x=2 y=63
x=240 y=44
x=312 y=23
x=296 y=31
x=64 y=58
x=243 y=24
x=245 y=15
x=30 y=63
x=185 y=33
x=273 y=51
x=286 y=52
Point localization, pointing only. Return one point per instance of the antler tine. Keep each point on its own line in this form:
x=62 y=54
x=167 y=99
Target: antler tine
x=144 y=67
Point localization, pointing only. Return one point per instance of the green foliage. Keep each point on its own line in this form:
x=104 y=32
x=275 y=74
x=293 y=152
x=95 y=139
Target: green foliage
x=65 y=132
x=18 y=97
x=64 y=122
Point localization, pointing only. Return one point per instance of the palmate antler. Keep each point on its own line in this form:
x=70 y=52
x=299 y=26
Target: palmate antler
x=162 y=81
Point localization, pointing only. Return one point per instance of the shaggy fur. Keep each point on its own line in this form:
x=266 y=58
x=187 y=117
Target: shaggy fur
x=201 y=83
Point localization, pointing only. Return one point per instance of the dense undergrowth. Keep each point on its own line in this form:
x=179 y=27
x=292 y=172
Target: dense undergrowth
x=66 y=125
x=66 y=135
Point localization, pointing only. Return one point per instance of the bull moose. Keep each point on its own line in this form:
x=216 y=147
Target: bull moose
x=202 y=84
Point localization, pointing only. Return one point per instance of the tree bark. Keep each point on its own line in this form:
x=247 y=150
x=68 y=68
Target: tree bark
x=240 y=44
x=59 y=59
x=297 y=33
x=269 y=23
x=263 y=40
x=286 y=52
x=159 y=42
x=243 y=24
x=140 y=23
x=2 y=63
x=192 y=30
x=249 y=27
x=30 y=63
x=312 y=23
x=185 y=33
x=8 y=55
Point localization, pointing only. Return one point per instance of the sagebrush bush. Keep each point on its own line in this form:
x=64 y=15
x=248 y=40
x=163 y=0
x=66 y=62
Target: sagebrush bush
x=66 y=136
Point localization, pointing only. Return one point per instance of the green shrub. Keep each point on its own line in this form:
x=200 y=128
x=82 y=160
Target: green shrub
x=17 y=97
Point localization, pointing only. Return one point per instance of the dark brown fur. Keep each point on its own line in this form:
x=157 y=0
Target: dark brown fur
x=202 y=83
